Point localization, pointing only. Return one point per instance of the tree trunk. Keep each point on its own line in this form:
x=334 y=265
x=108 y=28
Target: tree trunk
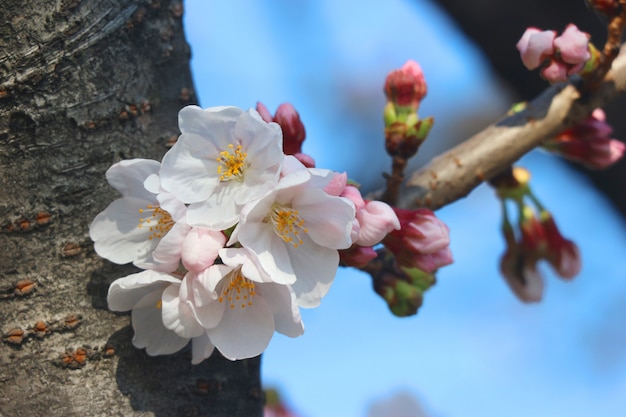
x=84 y=84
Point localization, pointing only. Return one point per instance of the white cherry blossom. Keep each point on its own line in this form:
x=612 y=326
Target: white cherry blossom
x=145 y=226
x=295 y=231
x=224 y=158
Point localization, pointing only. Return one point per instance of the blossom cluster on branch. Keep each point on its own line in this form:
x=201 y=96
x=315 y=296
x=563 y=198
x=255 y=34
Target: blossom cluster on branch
x=236 y=230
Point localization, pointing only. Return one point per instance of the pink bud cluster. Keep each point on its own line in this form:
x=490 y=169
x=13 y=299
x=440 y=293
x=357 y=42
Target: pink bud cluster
x=566 y=54
x=422 y=241
x=589 y=143
x=539 y=239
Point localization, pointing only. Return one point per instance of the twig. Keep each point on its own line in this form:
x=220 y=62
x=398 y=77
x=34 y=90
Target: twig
x=454 y=174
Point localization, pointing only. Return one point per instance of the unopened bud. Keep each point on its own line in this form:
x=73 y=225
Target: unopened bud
x=406 y=87
x=289 y=120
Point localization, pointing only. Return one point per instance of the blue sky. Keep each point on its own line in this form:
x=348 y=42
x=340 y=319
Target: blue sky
x=473 y=349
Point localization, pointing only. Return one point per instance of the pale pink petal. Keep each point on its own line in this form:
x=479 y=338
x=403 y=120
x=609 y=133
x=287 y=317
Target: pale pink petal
x=178 y=316
x=125 y=292
x=149 y=330
x=244 y=332
x=376 y=220
x=201 y=348
x=200 y=248
x=282 y=300
x=535 y=46
x=128 y=176
x=573 y=45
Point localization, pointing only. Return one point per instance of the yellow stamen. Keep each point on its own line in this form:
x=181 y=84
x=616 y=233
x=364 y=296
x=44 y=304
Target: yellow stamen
x=288 y=224
x=237 y=283
x=159 y=222
x=232 y=165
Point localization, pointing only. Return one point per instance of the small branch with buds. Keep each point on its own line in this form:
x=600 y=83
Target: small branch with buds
x=454 y=174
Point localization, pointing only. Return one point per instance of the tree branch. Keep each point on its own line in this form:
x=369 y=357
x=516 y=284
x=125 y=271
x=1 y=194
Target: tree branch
x=454 y=174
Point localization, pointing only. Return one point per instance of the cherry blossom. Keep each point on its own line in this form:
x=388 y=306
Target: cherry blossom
x=224 y=158
x=146 y=226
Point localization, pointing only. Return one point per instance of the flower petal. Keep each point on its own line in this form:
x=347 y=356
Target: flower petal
x=128 y=176
x=149 y=330
x=282 y=301
x=125 y=292
x=178 y=316
x=201 y=348
x=244 y=332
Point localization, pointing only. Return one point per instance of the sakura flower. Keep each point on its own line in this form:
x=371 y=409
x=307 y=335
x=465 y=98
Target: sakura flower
x=224 y=158
x=250 y=307
x=295 y=231
x=143 y=294
x=146 y=226
x=422 y=242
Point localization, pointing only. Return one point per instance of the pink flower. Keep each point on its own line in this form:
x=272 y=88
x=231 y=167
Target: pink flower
x=535 y=46
x=422 y=241
x=573 y=45
x=406 y=87
x=555 y=72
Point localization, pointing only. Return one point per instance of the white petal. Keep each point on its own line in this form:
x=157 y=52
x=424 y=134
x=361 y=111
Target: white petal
x=125 y=292
x=128 y=176
x=216 y=124
x=189 y=169
x=201 y=348
x=220 y=212
x=315 y=268
x=244 y=332
x=328 y=219
x=149 y=330
x=282 y=301
x=200 y=297
x=178 y=316
x=270 y=250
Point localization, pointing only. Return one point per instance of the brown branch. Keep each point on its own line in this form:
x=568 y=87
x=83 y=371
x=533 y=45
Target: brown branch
x=457 y=172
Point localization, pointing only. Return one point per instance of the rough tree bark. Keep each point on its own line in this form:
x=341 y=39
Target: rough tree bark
x=84 y=84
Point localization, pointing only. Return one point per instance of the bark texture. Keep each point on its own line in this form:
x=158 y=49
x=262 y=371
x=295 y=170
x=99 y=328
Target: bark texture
x=84 y=84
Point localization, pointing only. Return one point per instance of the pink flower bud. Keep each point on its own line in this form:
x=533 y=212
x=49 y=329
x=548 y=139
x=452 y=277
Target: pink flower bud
x=376 y=220
x=422 y=241
x=563 y=254
x=522 y=276
x=306 y=160
x=535 y=46
x=555 y=72
x=573 y=45
x=200 y=248
x=589 y=143
x=406 y=87
x=293 y=128
x=337 y=184
x=357 y=256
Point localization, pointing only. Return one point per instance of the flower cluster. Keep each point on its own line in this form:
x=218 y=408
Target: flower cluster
x=233 y=235
x=588 y=142
x=537 y=238
x=567 y=54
